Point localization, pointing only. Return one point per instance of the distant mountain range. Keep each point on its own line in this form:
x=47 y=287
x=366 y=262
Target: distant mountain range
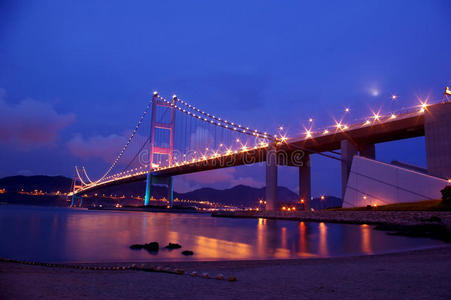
x=240 y=195
x=48 y=184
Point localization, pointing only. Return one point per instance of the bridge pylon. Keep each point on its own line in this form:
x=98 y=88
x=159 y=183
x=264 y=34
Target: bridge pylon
x=154 y=149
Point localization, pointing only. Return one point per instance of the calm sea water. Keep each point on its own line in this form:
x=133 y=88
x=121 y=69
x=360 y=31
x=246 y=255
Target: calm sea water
x=69 y=235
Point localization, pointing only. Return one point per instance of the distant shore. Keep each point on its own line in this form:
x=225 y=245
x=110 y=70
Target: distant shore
x=420 y=274
x=350 y=217
x=151 y=209
x=427 y=224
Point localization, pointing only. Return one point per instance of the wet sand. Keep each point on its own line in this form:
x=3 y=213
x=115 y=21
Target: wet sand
x=420 y=274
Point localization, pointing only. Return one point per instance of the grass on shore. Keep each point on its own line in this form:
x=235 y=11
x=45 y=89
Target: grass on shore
x=429 y=205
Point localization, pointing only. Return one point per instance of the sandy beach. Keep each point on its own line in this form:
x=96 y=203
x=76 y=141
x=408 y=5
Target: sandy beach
x=419 y=274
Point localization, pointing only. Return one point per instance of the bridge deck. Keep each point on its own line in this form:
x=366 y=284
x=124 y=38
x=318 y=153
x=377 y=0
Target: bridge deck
x=404 y=126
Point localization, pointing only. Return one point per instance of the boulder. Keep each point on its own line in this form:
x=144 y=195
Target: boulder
x=136 y=246
x=173 y=246
x=152 y=247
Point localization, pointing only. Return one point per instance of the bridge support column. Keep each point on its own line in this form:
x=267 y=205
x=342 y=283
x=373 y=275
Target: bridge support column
x=72 y=202
x=305 y=182
x=437 y=132
x=368 y=151
x=171 y=191
x=271 y=180
x=348 y=150
x=148 y=187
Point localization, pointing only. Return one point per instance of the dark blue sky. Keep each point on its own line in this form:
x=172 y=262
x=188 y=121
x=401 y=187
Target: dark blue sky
x=86 y=69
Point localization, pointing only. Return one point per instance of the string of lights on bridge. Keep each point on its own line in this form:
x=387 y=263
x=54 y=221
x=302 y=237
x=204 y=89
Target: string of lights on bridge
x=211 y=119
x=376 y=117
x=339 y=126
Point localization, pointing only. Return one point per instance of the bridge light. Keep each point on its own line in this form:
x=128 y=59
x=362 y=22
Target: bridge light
x=376 y=116
x=394 y=97
x=393 y=116
x=155 y=93
x=310 y=120
x=347 y=109
x=326 y=131
x=281 y=128
x=423 y=106
x=308 y=134
x=338 y=125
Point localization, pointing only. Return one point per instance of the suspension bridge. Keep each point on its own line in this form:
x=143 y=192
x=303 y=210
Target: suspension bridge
x=181 y=138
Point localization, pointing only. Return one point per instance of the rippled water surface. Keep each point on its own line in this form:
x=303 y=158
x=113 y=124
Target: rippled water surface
x=63 y=234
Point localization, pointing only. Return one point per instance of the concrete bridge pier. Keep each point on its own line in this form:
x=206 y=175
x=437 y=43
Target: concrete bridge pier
x=152 y=179
x=272 y=203
x=348 y=150
x=305 y=182
x=148 y=187
x=368 y=151
x=171 y=191
x=437 y=132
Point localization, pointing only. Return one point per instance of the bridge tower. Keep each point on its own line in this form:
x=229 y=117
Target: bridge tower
x=155 y=149
x=76 y=184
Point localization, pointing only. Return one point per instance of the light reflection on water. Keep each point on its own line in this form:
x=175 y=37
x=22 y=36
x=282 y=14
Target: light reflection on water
x=60 y=234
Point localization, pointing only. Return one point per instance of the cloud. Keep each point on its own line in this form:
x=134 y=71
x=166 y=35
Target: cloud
x=30 y=123
x=103 y=147
x=107 y=147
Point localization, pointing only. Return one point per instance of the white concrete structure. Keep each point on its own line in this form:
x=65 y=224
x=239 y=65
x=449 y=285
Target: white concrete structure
x=372 y=182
